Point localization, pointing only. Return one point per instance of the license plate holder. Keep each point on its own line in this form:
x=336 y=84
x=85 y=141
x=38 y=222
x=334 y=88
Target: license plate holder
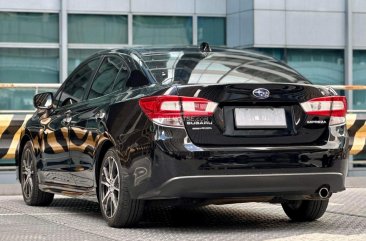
x=260 y=118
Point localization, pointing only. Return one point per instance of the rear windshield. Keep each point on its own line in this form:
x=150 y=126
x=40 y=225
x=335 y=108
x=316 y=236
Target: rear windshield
x=218 y=67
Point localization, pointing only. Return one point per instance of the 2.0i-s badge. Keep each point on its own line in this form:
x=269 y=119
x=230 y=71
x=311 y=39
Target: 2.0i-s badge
x=261 y=93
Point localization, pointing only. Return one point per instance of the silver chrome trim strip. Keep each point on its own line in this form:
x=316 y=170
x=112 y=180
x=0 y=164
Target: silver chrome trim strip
x=254 y=175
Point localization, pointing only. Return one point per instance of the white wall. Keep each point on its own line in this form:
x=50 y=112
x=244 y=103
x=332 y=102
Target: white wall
x=95 y=6
x=259 y=23
x=163 y=7
x=294 y=23
x=240 y=23
x=30 y=5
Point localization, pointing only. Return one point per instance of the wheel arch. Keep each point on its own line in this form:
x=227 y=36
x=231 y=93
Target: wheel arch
x=24 y=139
x=101 y=151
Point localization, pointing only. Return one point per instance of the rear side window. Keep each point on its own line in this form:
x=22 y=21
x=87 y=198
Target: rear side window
x=105 y=77
x=77 y=84
x=122 y=77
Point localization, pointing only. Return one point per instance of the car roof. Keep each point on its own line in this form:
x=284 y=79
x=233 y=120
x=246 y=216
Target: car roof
x=145 y=51
x=165 y=58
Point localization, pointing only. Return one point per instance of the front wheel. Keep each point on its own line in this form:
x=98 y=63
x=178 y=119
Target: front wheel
x=117 y=207
x=305 y=210
x=32 y=195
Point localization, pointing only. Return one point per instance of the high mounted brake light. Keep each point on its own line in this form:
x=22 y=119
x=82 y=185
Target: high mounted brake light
x=170 y=109
x=333 y=106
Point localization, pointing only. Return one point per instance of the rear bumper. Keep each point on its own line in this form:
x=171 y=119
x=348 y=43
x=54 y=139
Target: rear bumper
x=283 y=185
x=174 y=167
x=240 y=173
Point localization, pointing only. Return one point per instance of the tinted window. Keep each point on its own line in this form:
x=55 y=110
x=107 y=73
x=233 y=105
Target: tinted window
x=229 y=68
x=105 y=76
x=77 y=84
x=99 y=29
x=122 y=76
x=159 y=30
x=211 y=30
x=137 y=78
x=218 y=67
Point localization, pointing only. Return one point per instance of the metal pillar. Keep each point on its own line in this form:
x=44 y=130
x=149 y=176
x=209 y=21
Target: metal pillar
x=348 y=52
x=194 y=29
x=63 y=40
x=130 y=29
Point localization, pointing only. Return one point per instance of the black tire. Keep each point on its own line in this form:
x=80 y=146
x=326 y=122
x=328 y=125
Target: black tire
x=123 y=212
x=32 y=195
x=305 y=210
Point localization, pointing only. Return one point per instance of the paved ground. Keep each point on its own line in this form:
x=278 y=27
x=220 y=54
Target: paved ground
x=76 y=219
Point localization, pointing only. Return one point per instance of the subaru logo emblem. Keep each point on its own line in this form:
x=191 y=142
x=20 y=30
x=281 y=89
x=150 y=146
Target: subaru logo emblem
x=261 y=93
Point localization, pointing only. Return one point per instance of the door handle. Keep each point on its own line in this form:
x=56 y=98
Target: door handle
x=67 y=119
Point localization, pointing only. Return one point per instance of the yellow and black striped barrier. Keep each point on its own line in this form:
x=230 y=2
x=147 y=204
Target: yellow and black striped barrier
x=11 y=126
x=356 y=125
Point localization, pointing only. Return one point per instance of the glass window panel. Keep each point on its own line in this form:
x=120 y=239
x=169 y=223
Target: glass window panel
x=103 y=29
x=10 y=99
x=212 y=30
x=273 y=52
x=77 y=84
x=359 y=78
x=105 y=76
x=77 y=56
x=29 y=65
x=157 y=30
x=359 y=160
x=29 y=27
x=323 y=67
x=121 y=78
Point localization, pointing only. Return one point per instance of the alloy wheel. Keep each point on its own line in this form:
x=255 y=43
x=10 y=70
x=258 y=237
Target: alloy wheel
x=110 y=187
x=27 y=173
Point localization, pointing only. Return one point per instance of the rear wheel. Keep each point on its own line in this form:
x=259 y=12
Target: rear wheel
x=32 y=195
x=305 y=210
x=117 y=207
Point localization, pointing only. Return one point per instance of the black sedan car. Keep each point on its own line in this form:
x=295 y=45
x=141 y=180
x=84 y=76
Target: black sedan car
x=185 y=125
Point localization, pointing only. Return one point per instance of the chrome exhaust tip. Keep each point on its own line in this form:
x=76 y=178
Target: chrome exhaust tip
x=323 y=192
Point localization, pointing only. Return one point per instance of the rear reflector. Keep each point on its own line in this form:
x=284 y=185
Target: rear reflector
x=170 y=109
x=333 y=106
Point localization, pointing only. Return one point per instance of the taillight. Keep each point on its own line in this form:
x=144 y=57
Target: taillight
x=333 y=106
x=170 y=109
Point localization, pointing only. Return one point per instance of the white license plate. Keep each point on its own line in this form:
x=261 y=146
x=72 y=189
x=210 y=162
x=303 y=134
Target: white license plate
x=246 y=118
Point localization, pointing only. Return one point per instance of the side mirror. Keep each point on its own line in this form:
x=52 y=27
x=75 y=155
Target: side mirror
x=43 y=100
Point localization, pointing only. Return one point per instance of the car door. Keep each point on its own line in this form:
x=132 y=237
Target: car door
x=55 y=166
x=55 y=158
x=88 y=118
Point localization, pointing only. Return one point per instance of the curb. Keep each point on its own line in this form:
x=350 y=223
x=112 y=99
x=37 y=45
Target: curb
x=10 y=189
x=356 y=182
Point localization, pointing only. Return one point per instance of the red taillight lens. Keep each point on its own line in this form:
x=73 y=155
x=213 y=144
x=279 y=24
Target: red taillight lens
x=169 y=109
x=333 y=106
x=160 y=106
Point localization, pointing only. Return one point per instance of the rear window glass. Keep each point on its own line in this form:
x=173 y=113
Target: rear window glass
x=218 y=67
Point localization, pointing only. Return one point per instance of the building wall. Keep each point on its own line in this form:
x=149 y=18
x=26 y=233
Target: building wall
x=311 y=36
x=294 y=23
x=211 y=7
x=41 y=41
x=240 y=23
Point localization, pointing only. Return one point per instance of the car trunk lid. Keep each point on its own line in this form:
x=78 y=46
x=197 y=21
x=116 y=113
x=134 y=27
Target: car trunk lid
x=244 y=117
